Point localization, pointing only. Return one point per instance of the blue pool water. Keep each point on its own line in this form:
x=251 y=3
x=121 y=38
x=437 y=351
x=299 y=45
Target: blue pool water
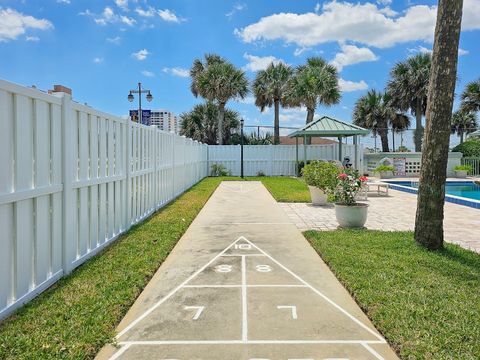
x=465 y=189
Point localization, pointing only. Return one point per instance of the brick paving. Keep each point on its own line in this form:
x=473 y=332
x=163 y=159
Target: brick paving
x=393 y=213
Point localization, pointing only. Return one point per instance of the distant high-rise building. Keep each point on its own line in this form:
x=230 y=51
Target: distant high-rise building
x=165 y=120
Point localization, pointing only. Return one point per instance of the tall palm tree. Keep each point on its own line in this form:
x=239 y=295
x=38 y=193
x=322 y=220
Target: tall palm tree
x=463 y=123
x=471 y=97
x=315 y=83
x=202 y=121
x=408 y=88
x=441 y=91
x=269 y=88
x=374 y=111
x=217 y=80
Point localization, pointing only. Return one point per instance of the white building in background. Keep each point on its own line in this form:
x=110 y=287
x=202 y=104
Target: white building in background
x=165 y=120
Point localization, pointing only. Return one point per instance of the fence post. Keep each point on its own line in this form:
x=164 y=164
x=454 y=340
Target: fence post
x=173 y=165
x=69 y=162
x=128 y=181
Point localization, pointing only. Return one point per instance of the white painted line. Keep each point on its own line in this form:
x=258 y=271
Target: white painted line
x=318 y=292
x=238 y=255
x=373 y=352
x=170 y=294
x=292 y=308
x=248 y=286
x=211 y=286
x=120 y=352
x=198 y=312
x=244 y=301
x=253 y=342
x=279 y=286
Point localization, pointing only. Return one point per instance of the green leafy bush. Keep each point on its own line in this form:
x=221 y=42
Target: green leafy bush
x=466 y=168
x=384 y=168
x=219 y=170
x=321 y=174
x=469 y=148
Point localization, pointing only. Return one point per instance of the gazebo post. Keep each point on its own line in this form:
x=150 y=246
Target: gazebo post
x=340 y=148
x=355 y=142
x=296 y=156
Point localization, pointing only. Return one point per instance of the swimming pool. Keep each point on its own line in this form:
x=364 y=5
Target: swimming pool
x=459 y=192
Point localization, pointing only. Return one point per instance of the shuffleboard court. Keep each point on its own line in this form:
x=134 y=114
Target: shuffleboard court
x=243 y=283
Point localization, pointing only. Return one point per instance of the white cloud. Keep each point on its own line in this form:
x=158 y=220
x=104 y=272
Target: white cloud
x=249 y=100
x=424 y=50
x=128 y=21
x=148 y=73
x=257 y=63
x=236 y=8
x=352 y=54
x=462 y=52
x=363 y=23
x=299 y=51
x=13 y=24
x=177 y=71
x=141 y=55
x=122 y=4
x=149 y=12
x=32 y=38
x=108 y=16
x=98 y=60
x=384 y=2
x=317 y=8
x=115 y=40
x=349 y=86
x=67 y=2
x=293 y=114
x=168 y=15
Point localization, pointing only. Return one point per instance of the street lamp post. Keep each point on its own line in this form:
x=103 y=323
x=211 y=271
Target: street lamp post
x=241 y=148
x=140 y=91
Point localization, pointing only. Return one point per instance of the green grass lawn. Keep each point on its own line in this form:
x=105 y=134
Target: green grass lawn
x=78 y=315
x=285 y=189
x=427 y=304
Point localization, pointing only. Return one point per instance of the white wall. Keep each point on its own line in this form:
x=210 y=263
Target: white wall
x=274 y=160
x=72 y=179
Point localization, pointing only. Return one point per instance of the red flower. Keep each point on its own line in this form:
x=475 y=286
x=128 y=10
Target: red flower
x=363 y=178
x=342 y=176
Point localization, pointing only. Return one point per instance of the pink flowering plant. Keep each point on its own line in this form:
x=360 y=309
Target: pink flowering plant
x=349 y=184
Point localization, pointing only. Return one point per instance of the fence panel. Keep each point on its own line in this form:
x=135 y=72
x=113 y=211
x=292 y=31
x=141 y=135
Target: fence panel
x=73 y=179
x=474 y=162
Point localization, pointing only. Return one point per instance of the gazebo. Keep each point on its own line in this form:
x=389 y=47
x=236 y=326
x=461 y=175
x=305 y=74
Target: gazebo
x=328 y=127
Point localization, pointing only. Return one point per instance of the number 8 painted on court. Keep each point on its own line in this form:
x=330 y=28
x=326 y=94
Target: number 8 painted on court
x=263 y=268
x=223 y=268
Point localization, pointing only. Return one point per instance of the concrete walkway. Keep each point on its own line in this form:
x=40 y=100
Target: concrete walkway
x=393 y=213
x=243 y=284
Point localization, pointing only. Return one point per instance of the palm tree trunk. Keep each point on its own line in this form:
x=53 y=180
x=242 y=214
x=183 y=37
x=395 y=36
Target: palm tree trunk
x=418 y=134
x=383 y=132
x=276 y=125
x=461 y=137
x=310 y=115
x=221 y=115
x=431 y=192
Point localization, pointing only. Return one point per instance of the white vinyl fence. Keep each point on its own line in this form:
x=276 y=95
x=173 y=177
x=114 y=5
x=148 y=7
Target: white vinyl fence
x=275 y=160
x=72 y=179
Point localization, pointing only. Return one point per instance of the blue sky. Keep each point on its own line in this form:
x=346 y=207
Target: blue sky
x=101 y=49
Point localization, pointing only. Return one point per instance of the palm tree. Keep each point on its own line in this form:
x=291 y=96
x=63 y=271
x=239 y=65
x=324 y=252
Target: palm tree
x=374 y=111
x=202 y=121
x=269 y=88
x=463 y=123
x=408 y=88
x=315 y=83
x=441 y=91
x=471 y=97
x=217 y=80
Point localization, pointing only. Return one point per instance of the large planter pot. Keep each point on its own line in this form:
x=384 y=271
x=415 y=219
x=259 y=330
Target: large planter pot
x=462 y=174
x=386 y=174
x=318 y=196
x=353 y=216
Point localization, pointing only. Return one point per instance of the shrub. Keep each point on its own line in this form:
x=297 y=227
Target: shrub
x=467 y=168
x=384 y=168
x=322 y=175
x=469 y=148
x=349 y=184
x=260 y=173
x=219 y=170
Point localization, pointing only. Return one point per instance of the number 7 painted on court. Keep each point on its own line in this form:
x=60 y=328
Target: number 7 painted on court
x=197 y=313
x=292 y=308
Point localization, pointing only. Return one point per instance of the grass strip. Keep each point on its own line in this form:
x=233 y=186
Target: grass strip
x=285 y=189
x=425 y=303
x=77 y=316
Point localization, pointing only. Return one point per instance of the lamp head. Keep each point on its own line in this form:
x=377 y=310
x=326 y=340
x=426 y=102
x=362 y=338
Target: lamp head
x=130 y=97
x=149 y=97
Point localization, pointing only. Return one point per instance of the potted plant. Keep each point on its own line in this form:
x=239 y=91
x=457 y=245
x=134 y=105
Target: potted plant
x=321 y=178
x=349 y=213
x=385 y=171
x=461 y=171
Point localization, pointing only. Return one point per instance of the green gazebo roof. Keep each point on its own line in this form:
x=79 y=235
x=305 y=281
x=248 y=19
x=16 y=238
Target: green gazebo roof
x=329 y=127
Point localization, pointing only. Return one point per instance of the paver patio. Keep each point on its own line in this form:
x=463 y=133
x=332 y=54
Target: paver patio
x=393 y=213
x=244 y=284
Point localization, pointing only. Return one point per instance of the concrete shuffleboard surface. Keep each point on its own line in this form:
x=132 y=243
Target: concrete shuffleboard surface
x=243 y=283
